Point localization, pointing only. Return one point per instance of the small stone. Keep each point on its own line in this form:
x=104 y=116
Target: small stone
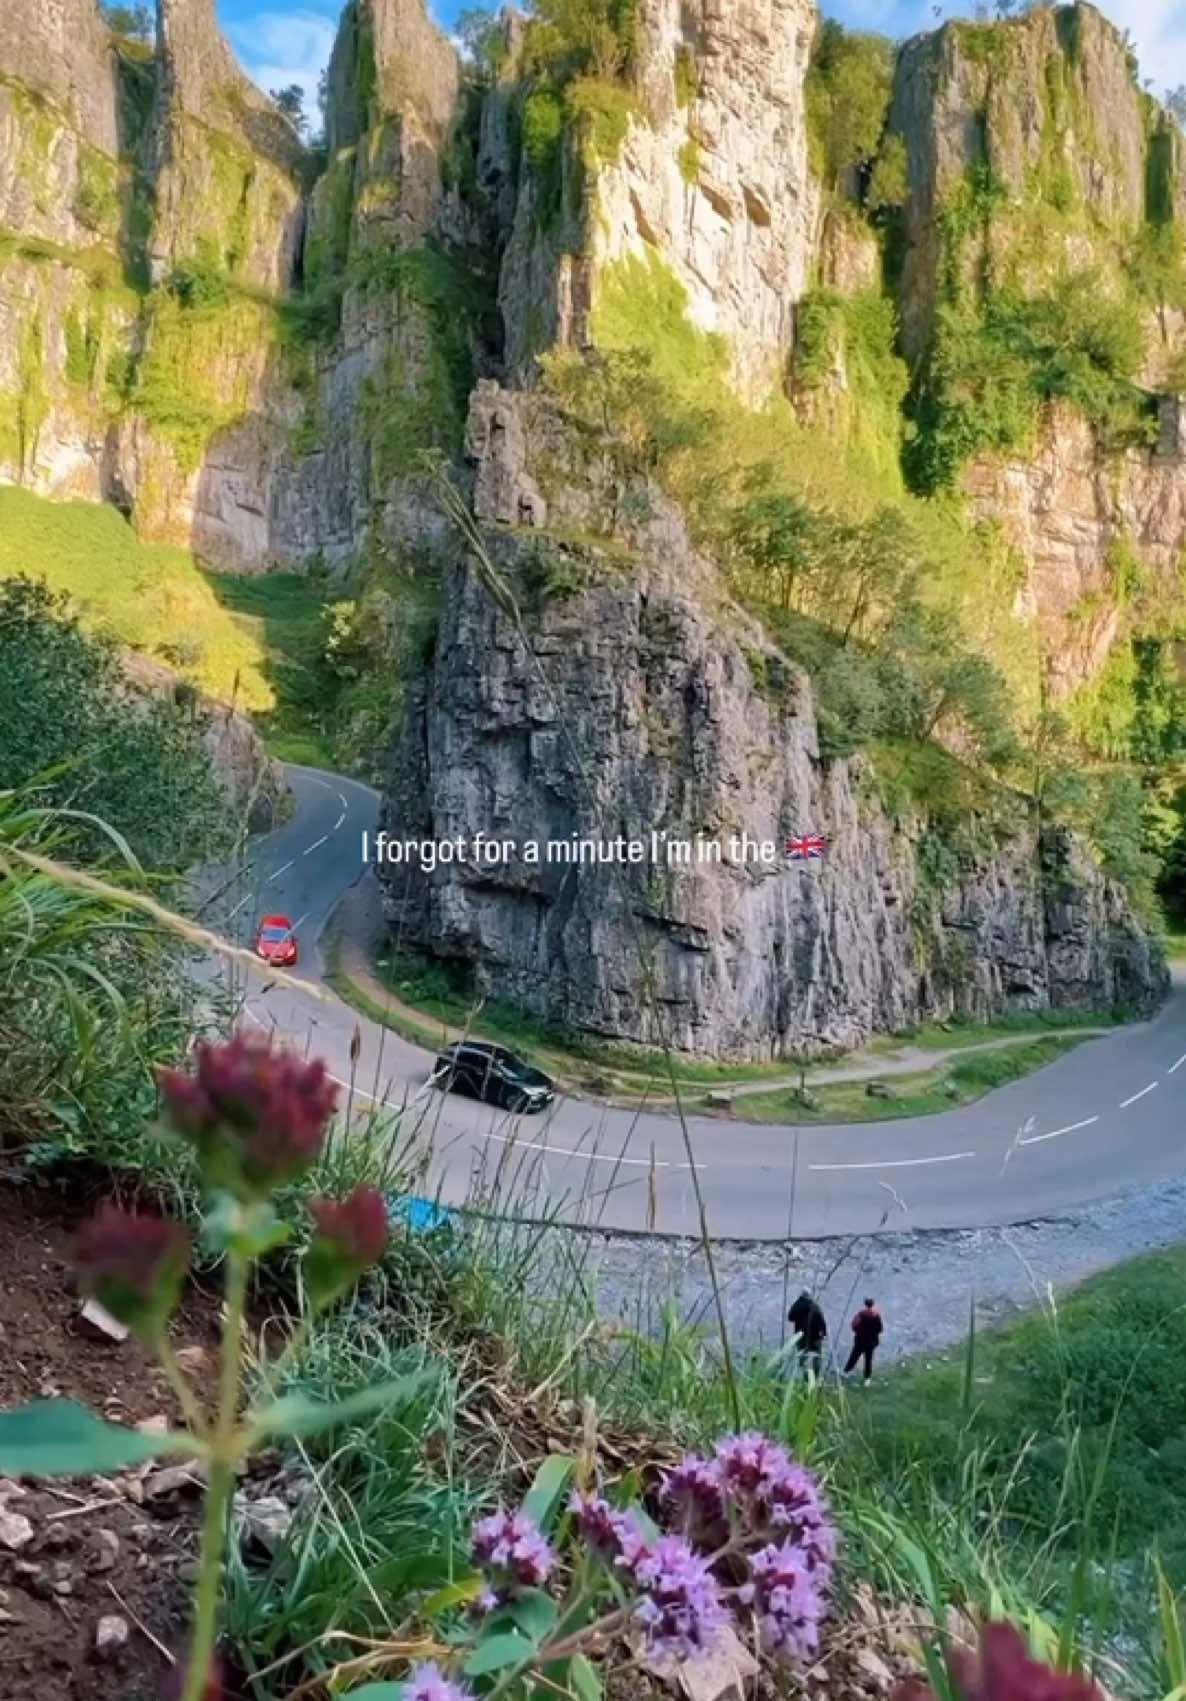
x=156 y=1425
x=10 y=1490
x=265 y=1521
x=100 y=1325
x=15 y=1530
x=173 y=1479
x=193 y=1360
x=111 y=1635
x=718 y=1099
x=189 y=1571
x=874 y=1667
x=107 y=1550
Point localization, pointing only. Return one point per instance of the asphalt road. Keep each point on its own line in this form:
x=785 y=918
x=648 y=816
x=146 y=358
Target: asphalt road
x=1104 y=1117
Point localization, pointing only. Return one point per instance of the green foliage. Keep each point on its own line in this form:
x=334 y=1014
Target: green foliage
x=689 y=160
x=483 y=41
x=576 y=38
x=543 y=128
x=889 y=182
x=686 y=74
x=600 y=112
x=848 y=94
x=991 y=366
x=72 y=725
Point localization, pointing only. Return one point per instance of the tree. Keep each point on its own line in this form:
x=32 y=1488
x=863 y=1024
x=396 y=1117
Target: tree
x=291 y=102
x=483 y=41
x=134 y=22
x=75 y=729
x=848 y=93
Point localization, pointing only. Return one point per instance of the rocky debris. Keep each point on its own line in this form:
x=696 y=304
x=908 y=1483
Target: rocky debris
x=263 y=1522
x=16 y=1531
x=722 y=1675
x=718 y=1099
x=100 y=1325
x=107 y=1550
x=111 y=1636
x=175 y=1479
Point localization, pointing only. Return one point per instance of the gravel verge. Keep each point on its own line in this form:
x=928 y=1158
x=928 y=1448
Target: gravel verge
x=924 y=1281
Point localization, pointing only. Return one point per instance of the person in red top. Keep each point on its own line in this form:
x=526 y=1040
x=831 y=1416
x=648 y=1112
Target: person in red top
x=866 y=1333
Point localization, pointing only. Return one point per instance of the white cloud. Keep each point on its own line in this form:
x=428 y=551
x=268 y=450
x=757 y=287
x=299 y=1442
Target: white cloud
x=279 y=48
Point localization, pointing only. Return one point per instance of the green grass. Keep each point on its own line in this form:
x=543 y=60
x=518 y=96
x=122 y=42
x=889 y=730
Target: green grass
x=1082 y=1399
x=923 y=1094
x=256 y=640
x=151 y=597
x=1175 y=947
x=951 y=1035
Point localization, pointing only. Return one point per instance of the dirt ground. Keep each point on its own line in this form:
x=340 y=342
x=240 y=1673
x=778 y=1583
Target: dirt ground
x=117 y=1549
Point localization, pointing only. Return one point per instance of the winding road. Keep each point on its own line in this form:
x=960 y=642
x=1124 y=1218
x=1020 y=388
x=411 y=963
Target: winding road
x=1107 y=1115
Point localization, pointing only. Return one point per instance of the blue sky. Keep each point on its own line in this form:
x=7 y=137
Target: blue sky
x=280 y=44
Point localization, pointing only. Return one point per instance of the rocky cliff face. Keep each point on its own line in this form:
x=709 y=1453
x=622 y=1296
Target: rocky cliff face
x=256 y=367
x=711 y=176
x=626 y=708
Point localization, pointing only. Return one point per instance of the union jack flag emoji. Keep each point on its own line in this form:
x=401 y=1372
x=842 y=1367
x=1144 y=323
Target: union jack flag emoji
x=804 y=846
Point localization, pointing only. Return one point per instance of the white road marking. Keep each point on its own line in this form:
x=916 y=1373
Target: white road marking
x=1036 y=1139
x=239 y=906
x=339 y=821
x=587 y=1157
x=315 y=844
x=342 y=800
x=1124 y=1103
x=899 y=1163
x=280 y=871
x=1178 y=1064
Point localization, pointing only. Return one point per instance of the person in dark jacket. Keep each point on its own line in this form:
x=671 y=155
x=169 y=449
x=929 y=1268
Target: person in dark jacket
x=866 y=1333
x=811 y=1331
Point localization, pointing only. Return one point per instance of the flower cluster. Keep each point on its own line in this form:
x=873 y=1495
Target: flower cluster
x=783 y=1591
x=428 y=1683
x=680 y=1608
x=510 y=1549
x=1004 y=1671
x=772 y=1493
x=133 y=1265
x=257 y=1115
x=351 y=1234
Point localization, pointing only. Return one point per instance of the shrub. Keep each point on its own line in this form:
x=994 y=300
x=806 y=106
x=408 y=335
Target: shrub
x=848 y=94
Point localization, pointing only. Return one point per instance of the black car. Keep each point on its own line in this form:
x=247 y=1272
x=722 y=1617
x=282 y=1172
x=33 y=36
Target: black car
x=493 y=1074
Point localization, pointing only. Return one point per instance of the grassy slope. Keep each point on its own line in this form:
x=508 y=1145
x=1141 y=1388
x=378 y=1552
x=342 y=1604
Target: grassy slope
x=244 y=638
x=1084 y=1399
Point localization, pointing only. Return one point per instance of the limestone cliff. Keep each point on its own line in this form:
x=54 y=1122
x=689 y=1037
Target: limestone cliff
x=265 y=363
x=635 y=702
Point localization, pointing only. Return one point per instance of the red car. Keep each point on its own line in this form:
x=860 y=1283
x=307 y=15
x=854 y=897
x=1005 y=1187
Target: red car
x=275 y=942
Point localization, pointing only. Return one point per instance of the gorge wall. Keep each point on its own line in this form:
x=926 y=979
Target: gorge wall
x=268 y=359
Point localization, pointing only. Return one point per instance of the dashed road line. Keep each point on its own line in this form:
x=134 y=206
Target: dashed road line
x=899 y=1163
x=1124 y=1103
x=339 y=821
x=279 y=871
x=586 y=1157
x=315 y=845
x=342 y=800
x=233 y=913
x=1178 y=1064
x=1036 y=1139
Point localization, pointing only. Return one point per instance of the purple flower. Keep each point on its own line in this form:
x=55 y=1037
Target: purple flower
x=680 y=1610
x=693 y=1491
x=427 y=1684
x=508 y=1546
x=785 y=1594
x=774 y=1494
x=598 y=1524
